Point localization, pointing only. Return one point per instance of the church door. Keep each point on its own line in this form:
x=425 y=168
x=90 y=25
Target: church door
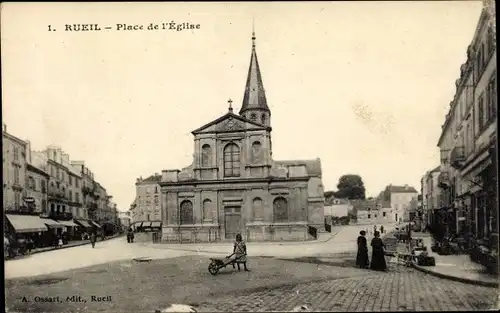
x=232 y=222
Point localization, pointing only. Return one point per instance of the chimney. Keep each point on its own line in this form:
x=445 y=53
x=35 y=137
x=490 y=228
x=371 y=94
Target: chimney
x=4 y=127
x=28 y=151
x=406 y=187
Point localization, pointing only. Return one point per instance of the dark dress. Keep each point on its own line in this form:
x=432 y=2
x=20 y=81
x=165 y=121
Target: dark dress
x=378 y=256
x=362 y=257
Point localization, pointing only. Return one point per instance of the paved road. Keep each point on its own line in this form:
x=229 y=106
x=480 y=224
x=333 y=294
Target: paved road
x=118 y=249
x=397 y=291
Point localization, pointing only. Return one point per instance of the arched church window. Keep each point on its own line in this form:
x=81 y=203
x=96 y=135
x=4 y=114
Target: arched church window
x=256 y=152
x=263 y=118
x=206 y=150
x=280 y=210
x=258 y=211
x=207 y=210
x=186 y=216
x=253 y=117
x=232 y=160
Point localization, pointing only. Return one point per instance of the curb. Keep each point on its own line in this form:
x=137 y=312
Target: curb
x=187 y=248
x=71 y=246
x=454 y=278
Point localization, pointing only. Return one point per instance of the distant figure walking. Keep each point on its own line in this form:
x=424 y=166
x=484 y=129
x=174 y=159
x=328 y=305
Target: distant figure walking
x=378 y=253
x=382 y=229
x=374 y=228
x=362 y=257
x=130 y=235
x=93 y=239
x=59 y=241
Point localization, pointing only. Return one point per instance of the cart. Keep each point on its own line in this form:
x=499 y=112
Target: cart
x=216 y=264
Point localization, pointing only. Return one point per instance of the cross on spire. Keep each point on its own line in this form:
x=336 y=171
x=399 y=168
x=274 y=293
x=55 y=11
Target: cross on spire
x=230 y=105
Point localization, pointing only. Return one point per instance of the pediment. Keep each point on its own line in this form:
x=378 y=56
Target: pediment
x=228 y=123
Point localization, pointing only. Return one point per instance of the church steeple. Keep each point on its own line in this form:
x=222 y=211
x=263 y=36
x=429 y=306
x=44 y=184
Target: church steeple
x=254 y=106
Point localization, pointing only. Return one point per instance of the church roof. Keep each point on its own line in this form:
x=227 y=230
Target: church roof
x=313 y=167
x=227 y=116
x=255 y=95
x=401 y=189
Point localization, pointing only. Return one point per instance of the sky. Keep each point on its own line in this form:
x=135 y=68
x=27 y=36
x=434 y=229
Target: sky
x=364 y=86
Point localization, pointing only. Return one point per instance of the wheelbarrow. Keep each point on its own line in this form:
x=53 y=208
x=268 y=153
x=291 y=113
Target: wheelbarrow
x=216 y=264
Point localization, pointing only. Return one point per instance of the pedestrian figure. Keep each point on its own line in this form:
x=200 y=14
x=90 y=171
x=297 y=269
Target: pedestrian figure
x=378 y=253
x=240 y=253
x=382 y=229
x=130 y=235
x=59 y=241
x=374 y=228
x=362 y=257
x=93 y=239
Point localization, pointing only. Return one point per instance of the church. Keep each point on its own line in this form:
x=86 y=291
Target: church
x=234 y=186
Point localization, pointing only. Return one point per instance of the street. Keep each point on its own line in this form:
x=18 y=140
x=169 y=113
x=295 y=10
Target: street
x=74 y=277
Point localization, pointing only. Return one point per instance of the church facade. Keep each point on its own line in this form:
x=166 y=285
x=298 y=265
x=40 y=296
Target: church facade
x=234 y=186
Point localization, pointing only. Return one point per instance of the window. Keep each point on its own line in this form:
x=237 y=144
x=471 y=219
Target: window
x=77 y=197
x=375 y=215
x=206 y=151
x=490 y=42
x=480 y=113
x=186 y=213
x=157 y=201
x=16 y=153
x=52 y=173
x=258 y=212
x=232 y=160
x=369 y=216
x=253 y=117
x=383 y=214
x=16 y=175
x=263 y=118
x=70 y=195
x=280 y=210
x=207 y=210
x=44 y=206
x=77 y=183
x=70 y=180
x=44 y=186
x=17 y=200
x=256 y=152
x=491 y=92
x=31 y=183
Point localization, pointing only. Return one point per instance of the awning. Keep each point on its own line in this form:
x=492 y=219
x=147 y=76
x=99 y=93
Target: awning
x=146 y=224
x=67 y=223
x=83 y=223
x=95 y=224
x=26 y=223
x=51 y=223
x=155 y=224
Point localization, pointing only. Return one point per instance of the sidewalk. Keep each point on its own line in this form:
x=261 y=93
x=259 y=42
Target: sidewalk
x=455 y=267
x=69 y=245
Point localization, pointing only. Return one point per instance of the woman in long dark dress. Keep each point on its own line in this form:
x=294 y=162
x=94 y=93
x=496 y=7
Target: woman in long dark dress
x=362 y=257
x=378 y=255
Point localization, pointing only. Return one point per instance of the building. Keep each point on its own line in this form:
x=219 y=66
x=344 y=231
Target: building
x=52 y=160
x=14 y=171
x=74 y=181
x=400 y=199
x=370 y=212
x=468 y=144
x=125 y=219
x=88 y=190
x=430 y=195
x=147 y=205
x=36 y=189
x=337 y=207
x=234 y=186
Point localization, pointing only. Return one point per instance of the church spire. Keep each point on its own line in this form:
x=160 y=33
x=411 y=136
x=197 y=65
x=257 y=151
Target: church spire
x=254 y=99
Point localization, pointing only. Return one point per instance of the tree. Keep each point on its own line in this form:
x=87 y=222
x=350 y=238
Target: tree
x=350 y=186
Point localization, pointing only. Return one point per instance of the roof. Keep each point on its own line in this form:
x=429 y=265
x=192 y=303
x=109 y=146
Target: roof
x=401 y=189
x=361 y=205
x=255 y=95
x=37 y=170
x=228 y=115
x=313 y=167
x=437 y=169
x=153 y=179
